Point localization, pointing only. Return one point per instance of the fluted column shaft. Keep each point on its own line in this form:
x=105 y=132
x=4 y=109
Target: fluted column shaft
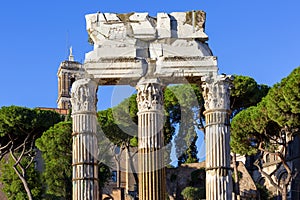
x=85 y=146
x=152 y=184
x=216 y=93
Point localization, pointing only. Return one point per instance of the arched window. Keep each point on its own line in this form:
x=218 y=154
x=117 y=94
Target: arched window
x=72 y=80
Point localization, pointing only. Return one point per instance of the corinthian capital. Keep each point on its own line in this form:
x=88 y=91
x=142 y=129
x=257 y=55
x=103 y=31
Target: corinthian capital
x=149 y=95
x=216 y=92
x=84 y=96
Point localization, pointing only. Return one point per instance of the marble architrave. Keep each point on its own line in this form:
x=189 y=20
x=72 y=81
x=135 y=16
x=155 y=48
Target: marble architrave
x=124 y=44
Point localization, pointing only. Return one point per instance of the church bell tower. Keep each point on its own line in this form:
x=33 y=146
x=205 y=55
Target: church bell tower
x=68 y=72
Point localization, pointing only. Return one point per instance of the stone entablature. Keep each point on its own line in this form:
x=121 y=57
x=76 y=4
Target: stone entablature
x=128 y=46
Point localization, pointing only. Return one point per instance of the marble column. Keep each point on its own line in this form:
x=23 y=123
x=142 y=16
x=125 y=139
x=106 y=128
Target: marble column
x=152 y=184
x=216 y=93
x=85 y=146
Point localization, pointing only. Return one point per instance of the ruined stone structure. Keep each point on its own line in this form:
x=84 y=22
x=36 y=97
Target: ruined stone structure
x=217 y=135
x=185 y=175
x=150 y=139
x=148 y=53
x=85 y=146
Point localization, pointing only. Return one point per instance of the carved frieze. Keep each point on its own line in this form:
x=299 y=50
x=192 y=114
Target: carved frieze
x=216 y=92
x=150 y=95
x=84 y=96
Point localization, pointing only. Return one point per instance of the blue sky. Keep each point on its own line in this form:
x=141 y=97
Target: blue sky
x=257 y=38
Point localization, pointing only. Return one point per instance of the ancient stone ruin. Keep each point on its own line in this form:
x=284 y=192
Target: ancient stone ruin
x=148 y=53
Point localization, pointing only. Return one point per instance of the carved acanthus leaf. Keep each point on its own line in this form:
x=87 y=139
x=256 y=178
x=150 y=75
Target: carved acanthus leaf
x=84 y=96
x=150 y=96
x=216 y=92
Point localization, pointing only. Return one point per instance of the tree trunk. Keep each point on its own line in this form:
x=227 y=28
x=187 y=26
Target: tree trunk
x=284 y=192
x=100 y=193
x=21 y=175
x=135 y=176
x=25 y=184
x=236 y=178
x=117 y=159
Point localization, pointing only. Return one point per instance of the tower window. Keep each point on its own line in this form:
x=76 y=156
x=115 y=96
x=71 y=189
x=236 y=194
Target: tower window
x=72 y=80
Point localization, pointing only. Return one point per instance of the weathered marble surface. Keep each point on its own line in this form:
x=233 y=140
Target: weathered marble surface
x=127 y=45
x=85 y=145
x=152 y=180
x=216 y=94
x=150 y=53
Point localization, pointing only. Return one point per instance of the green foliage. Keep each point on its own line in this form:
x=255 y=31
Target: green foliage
x=259 y=124
x=183 y=106
x=291 y=92
x=173 y=177
x=125 y=115
x=192 y=193
x=18 y=123
x=246 y=93
x=19 y=128
x=251 y=127
x=119 y=124
x=240 y=175
x=46 y=118
x=265 y=127
x=243 y=136
x=198 y=177
x=283 y=101
x=170 y=166
x=104 y=174
x=56 y=147
x=134 y=142
x=183 y=103
x=16 y=120
x=277 y=107
x=13 y=187
x=192 y=151
x=264 y=193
